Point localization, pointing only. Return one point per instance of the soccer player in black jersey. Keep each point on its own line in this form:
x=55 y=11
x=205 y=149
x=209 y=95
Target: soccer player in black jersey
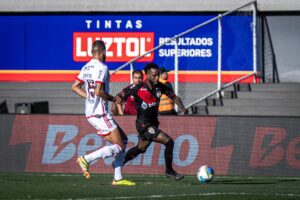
x=147 y=95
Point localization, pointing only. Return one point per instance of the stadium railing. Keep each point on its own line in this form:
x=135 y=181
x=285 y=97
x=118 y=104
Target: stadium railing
x=193 y=93
x=269 y=72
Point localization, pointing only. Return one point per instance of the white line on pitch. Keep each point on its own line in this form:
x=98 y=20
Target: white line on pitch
x=184 y=195
x=159 y=175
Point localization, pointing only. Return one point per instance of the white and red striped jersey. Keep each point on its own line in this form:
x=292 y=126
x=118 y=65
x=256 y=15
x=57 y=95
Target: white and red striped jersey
x=91 y=73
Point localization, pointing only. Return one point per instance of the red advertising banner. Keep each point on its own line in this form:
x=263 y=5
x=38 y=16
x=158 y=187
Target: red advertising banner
x=120 y=46
x=231 y=145
x=57 y=141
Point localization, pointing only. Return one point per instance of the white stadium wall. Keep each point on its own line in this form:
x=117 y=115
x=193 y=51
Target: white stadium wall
x=142 y=5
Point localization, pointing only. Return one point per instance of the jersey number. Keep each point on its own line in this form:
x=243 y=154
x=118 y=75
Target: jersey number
x=91 y=88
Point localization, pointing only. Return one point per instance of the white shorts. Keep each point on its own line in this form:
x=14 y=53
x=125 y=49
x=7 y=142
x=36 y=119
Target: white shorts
x=104 y=124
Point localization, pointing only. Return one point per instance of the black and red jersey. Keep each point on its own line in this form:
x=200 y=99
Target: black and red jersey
x=147 y=100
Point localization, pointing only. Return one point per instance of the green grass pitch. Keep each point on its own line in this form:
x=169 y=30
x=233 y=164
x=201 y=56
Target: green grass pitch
x=74 y=186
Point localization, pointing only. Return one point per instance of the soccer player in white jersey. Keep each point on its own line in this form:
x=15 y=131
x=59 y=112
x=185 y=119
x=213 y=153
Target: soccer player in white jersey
x=95 y=76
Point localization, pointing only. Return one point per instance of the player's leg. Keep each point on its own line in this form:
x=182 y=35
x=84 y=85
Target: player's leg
x=132 y=153
x=103 y=126
x=147 y=133
x=165 y=139
x=118 y=136
x=84 y=165
x=142 y=145
x=119 y=160
x=107 y=128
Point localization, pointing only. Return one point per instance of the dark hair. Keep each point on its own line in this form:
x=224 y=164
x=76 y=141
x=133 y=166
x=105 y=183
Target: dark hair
x=98 y=46
x=137 y=72
x=150 y=66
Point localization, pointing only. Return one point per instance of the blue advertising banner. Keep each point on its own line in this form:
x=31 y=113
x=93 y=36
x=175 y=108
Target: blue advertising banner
x=55 y=47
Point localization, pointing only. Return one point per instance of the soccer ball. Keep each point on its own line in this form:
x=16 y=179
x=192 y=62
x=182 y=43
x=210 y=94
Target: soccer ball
x=205 y=174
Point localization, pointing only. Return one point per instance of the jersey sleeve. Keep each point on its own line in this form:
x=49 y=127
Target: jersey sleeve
x=128 y=91
x=168 y=91
x=80 y=77
x=101 y=74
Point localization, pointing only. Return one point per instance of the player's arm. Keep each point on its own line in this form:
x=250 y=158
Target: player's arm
x=77 y=88
x=120 y=97
x=116 y=109
x=120 y=109
x=113 y=108
x=100 y=84
x=126 y=92
x=179 y=103
x=169 y=92
x=100 y=91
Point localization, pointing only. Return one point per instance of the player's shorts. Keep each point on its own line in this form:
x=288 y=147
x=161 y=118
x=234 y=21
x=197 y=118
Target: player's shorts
x=104 y=124
x=147 y=131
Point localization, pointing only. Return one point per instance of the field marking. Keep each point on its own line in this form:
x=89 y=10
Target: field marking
x=181 y=195
x=160 y=175
x=59 y=175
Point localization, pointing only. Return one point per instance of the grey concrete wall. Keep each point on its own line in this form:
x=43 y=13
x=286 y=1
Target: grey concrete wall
x=141 y=5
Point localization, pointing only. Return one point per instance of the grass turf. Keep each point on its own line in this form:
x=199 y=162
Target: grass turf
x=74 y=186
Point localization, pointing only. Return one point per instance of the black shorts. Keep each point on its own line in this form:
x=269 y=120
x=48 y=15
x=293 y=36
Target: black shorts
x=147 y=131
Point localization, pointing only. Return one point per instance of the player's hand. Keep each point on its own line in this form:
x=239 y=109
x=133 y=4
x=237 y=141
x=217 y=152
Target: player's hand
x=118 y=99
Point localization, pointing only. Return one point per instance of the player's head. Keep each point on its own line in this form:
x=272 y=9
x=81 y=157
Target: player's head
x=137 y=76
x=152 y=72
x=163 y=73
x=99 y=50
